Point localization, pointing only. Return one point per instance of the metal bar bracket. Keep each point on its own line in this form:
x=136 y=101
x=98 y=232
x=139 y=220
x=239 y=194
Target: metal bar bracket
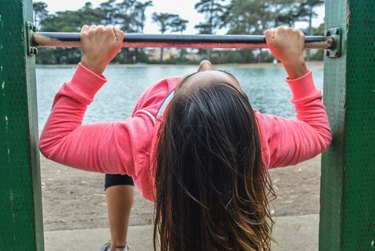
x=336 y=34
x=30 y=28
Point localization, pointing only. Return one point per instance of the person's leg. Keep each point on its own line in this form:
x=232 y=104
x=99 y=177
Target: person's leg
x=119 y=193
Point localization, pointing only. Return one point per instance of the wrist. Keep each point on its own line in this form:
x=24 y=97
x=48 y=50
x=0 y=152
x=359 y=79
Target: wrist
x=95 y=68
x=295 y=69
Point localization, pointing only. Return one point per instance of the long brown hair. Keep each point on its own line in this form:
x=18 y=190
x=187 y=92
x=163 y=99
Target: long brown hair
x=211 y=185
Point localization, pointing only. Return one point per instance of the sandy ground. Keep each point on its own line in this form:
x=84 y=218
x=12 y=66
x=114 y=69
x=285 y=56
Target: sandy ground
x=75 y=199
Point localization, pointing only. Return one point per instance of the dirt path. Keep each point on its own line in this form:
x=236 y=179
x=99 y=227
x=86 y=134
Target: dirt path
x=74 y=199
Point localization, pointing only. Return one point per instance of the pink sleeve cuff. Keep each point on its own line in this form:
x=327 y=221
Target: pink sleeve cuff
x=84 y=85
x=302 y=86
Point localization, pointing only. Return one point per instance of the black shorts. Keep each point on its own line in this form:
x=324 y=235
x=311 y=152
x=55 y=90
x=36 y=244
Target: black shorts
x=117 y=179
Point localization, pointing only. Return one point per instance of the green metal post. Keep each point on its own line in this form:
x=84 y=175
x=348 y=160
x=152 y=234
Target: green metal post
x=347 y=217
x=21 y=226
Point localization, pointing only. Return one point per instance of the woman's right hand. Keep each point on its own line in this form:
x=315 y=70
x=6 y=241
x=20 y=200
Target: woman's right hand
x=287 y=45
x=99 y=44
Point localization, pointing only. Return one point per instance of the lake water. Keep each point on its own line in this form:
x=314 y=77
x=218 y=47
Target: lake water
x=265 y=88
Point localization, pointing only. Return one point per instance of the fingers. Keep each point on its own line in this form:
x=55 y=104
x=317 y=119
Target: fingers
x=85 y=28
x=100 y=30
x=283 y=32
x=287 y=46
x=119 y=34
x=269 y=35
x=99 y=45
x=84 y=31
x=278 y=34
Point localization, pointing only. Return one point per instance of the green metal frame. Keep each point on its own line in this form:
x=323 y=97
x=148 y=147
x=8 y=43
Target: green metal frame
x=21 y=225
x=347 y=219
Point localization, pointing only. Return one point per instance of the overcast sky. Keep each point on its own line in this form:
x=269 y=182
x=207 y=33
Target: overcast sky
x=184 y=8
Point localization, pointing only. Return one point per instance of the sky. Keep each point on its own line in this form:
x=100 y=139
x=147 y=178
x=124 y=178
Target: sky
x=184 y=8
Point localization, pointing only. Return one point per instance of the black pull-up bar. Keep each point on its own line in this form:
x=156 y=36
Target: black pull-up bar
x=69 y=39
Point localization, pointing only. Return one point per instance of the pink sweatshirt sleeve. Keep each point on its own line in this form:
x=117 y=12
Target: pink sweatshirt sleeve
x=288 y=142
x=102 y=147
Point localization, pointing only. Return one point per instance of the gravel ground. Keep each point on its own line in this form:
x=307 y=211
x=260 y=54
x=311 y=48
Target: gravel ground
x=75 y=199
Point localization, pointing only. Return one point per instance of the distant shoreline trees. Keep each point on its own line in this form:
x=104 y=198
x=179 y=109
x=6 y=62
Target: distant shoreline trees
x=236 y=17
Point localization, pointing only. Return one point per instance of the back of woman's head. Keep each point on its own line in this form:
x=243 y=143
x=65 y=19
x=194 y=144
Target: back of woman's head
x=211 y=186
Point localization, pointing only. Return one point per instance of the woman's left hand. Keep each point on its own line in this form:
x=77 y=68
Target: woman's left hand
x=99 y=44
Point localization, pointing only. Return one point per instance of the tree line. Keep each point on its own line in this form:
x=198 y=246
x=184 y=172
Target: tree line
x=235 y=17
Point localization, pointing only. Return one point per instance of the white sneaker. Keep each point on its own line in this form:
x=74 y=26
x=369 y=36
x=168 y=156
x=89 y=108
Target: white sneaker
x=107 y=247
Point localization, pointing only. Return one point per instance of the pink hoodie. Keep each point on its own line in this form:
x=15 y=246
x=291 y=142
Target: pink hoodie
x=125 y=147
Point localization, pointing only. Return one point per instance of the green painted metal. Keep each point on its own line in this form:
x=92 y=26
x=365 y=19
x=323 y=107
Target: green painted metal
x=347 y=219
x=21 y=225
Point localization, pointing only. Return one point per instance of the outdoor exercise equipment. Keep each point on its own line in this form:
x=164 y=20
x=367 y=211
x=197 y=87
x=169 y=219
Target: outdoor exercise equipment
x=347 y=219
x=70 y=39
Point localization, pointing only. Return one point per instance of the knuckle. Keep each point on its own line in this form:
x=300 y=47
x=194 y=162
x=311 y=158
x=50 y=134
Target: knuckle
x=84 y=34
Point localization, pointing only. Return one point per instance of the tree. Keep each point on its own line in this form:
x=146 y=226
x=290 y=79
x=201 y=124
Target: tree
x=66 y=21
x=307 y=13
x=284 y=12
x=124 y=15
x=88 y=14
x=40 y=12
x=319 y=54
x=165 y=21
x=248 y=17
x=179 y=25
x=139 y=21
x=130 y=16
x=106 y=11
x=307 y=8
x=213 y=11
x=237 y=16
x=140 y=16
